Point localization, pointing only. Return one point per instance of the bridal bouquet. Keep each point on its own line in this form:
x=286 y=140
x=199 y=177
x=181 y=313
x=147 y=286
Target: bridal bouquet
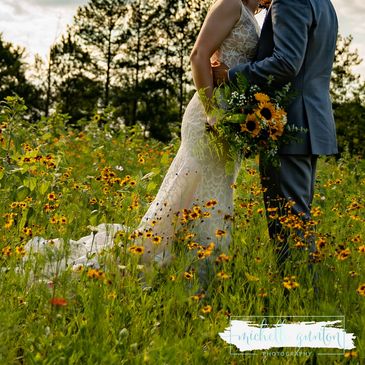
x=252 y=121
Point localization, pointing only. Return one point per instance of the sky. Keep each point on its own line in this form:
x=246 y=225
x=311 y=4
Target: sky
x=36 y=24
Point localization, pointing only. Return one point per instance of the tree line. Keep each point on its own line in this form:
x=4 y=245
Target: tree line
x=131 y=58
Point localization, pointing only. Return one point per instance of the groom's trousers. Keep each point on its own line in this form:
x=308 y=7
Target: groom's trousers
x=288 y=192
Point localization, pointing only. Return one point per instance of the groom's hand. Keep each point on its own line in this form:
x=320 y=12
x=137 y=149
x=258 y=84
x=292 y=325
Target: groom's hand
x=220 y=73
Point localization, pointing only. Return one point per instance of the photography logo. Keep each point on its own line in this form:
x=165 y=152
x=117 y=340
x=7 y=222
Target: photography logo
x=326 y=334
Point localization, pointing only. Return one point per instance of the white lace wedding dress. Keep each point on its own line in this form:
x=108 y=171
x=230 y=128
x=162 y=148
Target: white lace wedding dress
x=198 y=180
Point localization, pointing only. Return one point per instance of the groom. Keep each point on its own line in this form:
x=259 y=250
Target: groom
x=297 y=45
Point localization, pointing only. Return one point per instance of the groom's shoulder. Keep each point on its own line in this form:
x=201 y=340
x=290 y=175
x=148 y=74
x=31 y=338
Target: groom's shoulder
x=291 y=5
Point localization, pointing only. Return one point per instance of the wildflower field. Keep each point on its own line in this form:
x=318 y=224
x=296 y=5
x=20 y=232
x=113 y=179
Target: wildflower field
x=57 y=182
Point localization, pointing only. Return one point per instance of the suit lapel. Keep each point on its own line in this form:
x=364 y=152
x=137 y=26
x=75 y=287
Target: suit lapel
x=265 y=45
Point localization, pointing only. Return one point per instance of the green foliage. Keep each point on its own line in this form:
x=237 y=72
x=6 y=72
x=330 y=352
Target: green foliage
x=350 y=123
x=51 y=172
x=12 y=76
x=347 y=92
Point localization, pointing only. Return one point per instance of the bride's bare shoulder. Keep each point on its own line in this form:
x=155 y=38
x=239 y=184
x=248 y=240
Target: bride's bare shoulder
x=227 y=6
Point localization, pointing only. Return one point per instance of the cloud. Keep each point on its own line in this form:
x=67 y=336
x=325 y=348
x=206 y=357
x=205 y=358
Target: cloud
x=36 y=23
x=350 y=19
x=53 y=3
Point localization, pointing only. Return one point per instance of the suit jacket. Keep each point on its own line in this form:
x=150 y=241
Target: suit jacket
x=297 y=45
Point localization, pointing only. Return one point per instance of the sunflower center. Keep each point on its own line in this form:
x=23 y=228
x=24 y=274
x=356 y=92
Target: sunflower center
x=251 y=125
x=266 y=113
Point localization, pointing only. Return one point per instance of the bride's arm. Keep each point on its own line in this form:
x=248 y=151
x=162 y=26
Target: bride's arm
x=219 y=22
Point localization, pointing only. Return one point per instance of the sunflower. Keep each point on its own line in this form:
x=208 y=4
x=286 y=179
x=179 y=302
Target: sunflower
x=251 y=125
x=267 y=110
x=276 y=130
x=262 y=98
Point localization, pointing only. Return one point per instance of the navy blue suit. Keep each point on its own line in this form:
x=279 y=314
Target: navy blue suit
x=297 y=44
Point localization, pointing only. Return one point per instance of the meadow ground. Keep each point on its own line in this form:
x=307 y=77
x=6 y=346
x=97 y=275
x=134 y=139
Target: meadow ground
x=56 y=182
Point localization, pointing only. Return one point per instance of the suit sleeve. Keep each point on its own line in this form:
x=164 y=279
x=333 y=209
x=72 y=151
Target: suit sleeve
x=291 y=22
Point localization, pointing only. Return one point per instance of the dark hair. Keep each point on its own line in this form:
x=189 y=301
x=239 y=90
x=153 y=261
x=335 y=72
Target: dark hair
x=264 y=4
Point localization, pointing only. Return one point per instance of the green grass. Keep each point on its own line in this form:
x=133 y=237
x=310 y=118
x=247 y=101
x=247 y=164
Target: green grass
x=113 y=319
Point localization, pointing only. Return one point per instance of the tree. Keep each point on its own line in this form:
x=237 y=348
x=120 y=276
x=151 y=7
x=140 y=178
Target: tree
x=76 y=91
x=347 y=92
x=100 y=28
x=344 y=82
x=13 y=79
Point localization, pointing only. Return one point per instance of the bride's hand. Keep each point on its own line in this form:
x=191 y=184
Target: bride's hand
x=211 y=120
x=220 y=73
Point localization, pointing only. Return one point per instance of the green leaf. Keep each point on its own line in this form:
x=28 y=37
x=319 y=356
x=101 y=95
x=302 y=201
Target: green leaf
x=30 y=183
x=151 y=186
x=44 y=187
x=165 y=159
x=93 y=220
x=24 y=219
x=22 y=193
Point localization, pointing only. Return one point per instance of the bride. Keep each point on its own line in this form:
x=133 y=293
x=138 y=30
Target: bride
x=196 y=195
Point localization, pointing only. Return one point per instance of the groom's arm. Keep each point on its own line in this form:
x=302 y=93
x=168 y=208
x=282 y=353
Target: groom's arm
x=291 y=21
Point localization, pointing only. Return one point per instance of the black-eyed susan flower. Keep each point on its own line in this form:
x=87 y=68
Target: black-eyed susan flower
x=156 y=239
x=222 y=258
x=27 y=231
x=53 y=220
x=19 y=250
x=197 y=209
x=220 y=233
x=93 y=274
x=361 y=290
x=290 y=282
x=193 y=245
x=188 y=275
x=207 y=309
x=197 y=297
x=52 y=196
x=172 y=277
x=350 y=354
x=250 y=277
x=8 y=224
x=353 y=274
x=63 y=220
x=136 y=249
x=189 y=236
x=223 y=275
x=194 y=215
x=356 y=239
x=14 y=205
x=361 y=249
x=7 y=251
x=148 y=234
x=262 y=293
x=211 y=203
x=343 y=254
